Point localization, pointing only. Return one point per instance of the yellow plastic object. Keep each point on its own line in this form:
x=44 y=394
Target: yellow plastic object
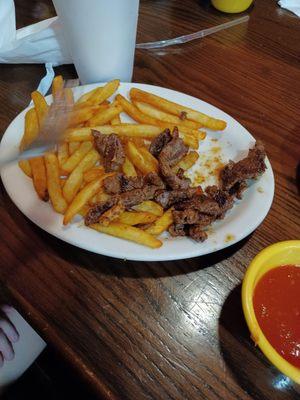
x=281 y=253
x=231 y=6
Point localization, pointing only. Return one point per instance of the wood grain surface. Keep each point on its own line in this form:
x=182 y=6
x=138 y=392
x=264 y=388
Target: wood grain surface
x=168 y=330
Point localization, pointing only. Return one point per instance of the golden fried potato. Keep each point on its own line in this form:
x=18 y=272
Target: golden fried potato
x=128 y=130
x=25 y=167
x=128 y=168
x=31 y=129
x=75 y=179
x=136 y=218
x=93 y=173
x=164 y=117
x=177 y=109
x=57 y=87
x=40 y=106
x=53 y=183
x=162 y=223
x=149 y=206
x=76 y=157
x=39 y=177
x=104 y=116
x=103 y=93
x=145 y=165
x=62 y=153
x=128 y=232
x=81 y=199
x=187 y=161
x=73 y=146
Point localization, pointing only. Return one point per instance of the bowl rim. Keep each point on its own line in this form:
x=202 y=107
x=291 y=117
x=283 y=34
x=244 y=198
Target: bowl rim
x=257 y=334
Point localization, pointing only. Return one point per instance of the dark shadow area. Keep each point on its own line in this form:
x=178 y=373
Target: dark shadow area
x=298 y=178
x=49 y=378
x=247 y=364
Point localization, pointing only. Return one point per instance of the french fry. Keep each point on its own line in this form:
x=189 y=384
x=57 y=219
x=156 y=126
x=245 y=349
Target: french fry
x=68 y=93
x=190 y=140
x=104 y=92
x=162 y=116
x=138 y=160
x=57 y=87
x=73 y=146
x=116 y=120
x=112 y=214
x=83 y=197
x=75 y=179
x=31 y=129
x=149 y=158
x=85 y=97
x=41 y=107
x=134 y=112
x=39 y=177
x=161 y=224
x=25 y=167
x=149 y=206
x=128 y=232
x=187 y=162
x=128 y=168
x=80 y=115
x=104 y=116
x=136 y=218
x=177 y=109
x=62 y=153
x=128 y=130
x=200 y=135
x=77 y=156
x=93 y=173
x=53 y=183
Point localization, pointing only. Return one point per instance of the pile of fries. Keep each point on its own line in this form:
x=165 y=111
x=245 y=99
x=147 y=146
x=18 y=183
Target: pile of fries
x=72 y=176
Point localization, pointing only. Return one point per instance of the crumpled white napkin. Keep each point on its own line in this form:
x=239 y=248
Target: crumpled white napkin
x=291 y=5
x=38 y=43
x=42 y=42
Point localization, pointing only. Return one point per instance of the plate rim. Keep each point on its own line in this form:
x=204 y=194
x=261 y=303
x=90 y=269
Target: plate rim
x=191 y=254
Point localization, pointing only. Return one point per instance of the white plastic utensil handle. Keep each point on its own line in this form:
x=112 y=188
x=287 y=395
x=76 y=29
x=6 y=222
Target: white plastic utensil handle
x=192 y=36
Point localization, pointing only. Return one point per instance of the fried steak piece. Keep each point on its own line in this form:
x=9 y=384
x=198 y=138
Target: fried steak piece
x=234 y=174
x=111 y=150
x=171 y=153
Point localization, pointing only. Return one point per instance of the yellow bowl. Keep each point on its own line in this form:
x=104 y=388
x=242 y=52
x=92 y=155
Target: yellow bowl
x=281 y=253
x=231 y=6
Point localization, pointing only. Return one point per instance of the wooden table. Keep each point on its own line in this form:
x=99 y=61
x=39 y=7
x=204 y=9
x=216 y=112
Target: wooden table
x=168 y=330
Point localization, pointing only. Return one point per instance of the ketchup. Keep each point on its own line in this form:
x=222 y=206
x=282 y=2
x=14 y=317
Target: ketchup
x=276 y=303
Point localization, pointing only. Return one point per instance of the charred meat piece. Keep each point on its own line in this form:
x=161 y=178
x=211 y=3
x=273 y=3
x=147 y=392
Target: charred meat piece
x=159 y=142
x=248 y=168
x=167 y=198
x=137 y=196
x=111 y=150
x=201 y=203
x=224 y=199
x=177 y=230
x=237 y=189
x=174 y=150
x=94 y=213
x=196 y=232
x=120 y=183
x=153 y=179
x=191 y=217
x=112 y=184
x=169 y=156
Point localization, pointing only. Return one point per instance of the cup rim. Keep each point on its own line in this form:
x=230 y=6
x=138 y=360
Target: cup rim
x=257 y=334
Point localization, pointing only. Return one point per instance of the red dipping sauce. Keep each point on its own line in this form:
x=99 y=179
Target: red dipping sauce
x=276 y=303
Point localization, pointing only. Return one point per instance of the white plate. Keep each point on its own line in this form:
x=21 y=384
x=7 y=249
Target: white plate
x=243 y=219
